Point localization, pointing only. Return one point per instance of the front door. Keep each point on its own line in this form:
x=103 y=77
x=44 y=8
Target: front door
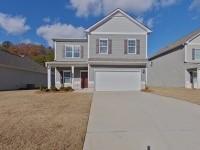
x=84 y=80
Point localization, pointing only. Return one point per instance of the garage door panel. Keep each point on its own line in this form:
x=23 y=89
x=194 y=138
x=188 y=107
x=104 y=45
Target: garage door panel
x=118 y=81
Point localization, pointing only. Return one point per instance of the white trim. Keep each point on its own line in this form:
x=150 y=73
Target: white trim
x=103 y=39
x=118 y=33
x=49 y=77
x=114 y=63
x=125 y=14
x=193 y=43
x=72 y=46
x=192 y=38
x=55 y=50
x=55 y=74
x=146 y=75
x=88 y=73
x=131 y=39
x=88 y=46
x=146 y=46
x=70 y=76
x=72 y=68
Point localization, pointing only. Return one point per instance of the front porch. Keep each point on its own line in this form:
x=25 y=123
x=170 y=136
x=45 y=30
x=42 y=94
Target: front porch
x=192 y=78
x=73 y=75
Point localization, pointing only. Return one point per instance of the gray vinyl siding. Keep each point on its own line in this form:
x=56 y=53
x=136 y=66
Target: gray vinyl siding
x=118 y=46
x=120 y=23
x=167 y=70
x=189 y=53
x=60 y=47
x=194 y=44
x=13 y=79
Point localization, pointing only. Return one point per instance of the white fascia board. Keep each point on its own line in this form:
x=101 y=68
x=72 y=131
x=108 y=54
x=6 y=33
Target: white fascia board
x=188 y=41
x=119 y=33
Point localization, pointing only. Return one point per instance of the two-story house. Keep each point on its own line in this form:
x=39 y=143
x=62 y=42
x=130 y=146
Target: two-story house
x=177 y=65
x=112 y=57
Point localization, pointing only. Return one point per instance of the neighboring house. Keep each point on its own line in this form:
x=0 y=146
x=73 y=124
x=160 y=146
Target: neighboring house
x=177 y=65
x=20 y=72
x=112 y=57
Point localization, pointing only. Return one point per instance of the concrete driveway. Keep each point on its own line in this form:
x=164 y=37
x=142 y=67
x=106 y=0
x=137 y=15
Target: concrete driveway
x=135 y=120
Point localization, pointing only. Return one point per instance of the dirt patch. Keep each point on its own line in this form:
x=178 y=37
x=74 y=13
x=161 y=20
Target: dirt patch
x=30 y=120
x=189 y=95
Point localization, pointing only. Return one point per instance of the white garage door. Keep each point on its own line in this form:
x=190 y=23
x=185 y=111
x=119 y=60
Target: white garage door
x=118 y=81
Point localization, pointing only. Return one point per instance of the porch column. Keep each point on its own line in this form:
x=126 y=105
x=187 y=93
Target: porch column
x=72 y=76
x=57 y=78
x=49 y=77
x=198 y=78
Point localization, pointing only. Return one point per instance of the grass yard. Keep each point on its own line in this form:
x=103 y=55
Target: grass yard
x=189 y=95
x=31 y=120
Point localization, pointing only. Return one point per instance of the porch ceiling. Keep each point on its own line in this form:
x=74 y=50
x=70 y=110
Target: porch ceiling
x=67 y=64
x=192 y=66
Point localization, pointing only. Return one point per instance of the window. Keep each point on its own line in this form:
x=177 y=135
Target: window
x=66 y=76
x=103 y=46
x=68 y=51
x=197 y=54
x=131 y=46
x=72 y=51
x=77 y=50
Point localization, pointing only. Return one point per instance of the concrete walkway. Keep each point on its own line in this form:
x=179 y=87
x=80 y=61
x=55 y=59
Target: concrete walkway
x=133 y=121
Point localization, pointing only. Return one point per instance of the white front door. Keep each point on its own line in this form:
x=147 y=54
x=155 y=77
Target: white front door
x=118 y=80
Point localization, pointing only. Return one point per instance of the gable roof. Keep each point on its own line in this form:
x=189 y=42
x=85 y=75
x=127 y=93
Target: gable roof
x=110 y=15
x=181 y=42
x=24 y=63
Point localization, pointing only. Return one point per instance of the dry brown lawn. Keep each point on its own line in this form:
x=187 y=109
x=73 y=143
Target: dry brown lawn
x=189 y=95
x=30 y=120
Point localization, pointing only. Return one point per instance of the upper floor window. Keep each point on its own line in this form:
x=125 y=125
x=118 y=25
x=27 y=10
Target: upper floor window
x=103 y=46
x=197 y=54
x=72 y=51
x=131 y=45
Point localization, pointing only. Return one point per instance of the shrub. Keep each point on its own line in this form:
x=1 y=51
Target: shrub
x=42 y=88
x=54 y=89
x=67 y=89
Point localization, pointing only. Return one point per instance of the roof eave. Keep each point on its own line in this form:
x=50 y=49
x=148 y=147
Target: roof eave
x=161 y=54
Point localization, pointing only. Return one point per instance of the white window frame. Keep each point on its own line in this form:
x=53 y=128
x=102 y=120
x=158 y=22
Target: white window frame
x=103 y=39
x=68 y=71
x=195 y=54
x=73 y=50
x=131 y=46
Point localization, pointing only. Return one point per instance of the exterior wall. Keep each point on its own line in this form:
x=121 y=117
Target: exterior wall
x=77 y=77
x=118 y=46
x=13 y=79
x=194 y=44
x=167 y=70
x=60 y=48
x=119 y=23
x=189 y=48
x=92 y=72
